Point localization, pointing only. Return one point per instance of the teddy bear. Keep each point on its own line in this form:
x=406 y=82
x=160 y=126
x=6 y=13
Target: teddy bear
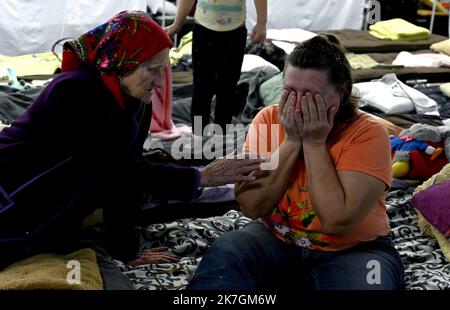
x=420 y=151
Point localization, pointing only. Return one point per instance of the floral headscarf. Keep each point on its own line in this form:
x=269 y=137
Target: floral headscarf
x=116 y=47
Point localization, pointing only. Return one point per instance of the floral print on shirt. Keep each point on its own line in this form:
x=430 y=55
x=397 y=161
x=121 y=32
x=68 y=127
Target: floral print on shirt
x=291 y=219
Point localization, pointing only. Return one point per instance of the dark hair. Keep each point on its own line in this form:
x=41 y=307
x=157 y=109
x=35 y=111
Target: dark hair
x=325 y=52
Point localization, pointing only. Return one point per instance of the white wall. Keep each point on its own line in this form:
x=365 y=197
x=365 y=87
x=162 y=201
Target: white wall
x=310 y=14
x=32 y=26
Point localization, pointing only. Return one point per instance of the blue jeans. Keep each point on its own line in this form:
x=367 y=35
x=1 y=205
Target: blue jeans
x=253 y=258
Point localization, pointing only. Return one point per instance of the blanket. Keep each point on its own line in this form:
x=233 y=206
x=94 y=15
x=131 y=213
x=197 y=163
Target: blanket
x=75 y=271
x=425 y=265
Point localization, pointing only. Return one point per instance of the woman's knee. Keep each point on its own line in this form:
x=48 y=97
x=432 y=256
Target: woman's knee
x=357 y=271
x=233 y=241
x=253 y=239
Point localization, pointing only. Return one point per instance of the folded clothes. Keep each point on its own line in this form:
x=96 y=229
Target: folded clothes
x=364 y=61
x=398 y=29
x=184 y=48
x=445 y=88
x=422 y=60
x=441 y=47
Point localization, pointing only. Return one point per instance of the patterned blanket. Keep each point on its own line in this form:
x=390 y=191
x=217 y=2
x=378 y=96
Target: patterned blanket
x=425 y=266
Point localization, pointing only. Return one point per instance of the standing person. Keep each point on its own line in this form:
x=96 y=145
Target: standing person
x=320 y=215
x=79 y=147
x=219 y=39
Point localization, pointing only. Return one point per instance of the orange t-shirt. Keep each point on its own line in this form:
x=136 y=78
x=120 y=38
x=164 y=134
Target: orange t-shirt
x=362 y=146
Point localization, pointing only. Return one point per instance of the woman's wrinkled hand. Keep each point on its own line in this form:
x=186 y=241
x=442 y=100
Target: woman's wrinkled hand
x=313 y=120
x=229 y=169
x=159 y=255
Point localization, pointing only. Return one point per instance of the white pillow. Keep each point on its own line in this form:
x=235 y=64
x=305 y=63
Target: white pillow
x=296 y=35
x=390 y=95
x=254 y=61
x=286 y=46
x=378 y=95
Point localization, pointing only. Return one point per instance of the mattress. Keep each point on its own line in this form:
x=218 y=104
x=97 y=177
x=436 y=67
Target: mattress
x=360 y=41
x=425 y=266
x=432 y=75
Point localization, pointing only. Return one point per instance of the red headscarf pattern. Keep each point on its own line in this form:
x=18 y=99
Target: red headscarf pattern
x=116 y=47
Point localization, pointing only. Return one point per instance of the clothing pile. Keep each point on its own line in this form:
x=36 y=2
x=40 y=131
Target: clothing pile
x=182 y=52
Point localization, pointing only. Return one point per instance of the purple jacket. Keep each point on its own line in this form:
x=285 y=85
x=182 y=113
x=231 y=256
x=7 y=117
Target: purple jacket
x=75 y=118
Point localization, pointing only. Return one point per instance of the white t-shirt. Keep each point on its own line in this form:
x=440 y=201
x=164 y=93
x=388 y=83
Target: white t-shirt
x=220 y=15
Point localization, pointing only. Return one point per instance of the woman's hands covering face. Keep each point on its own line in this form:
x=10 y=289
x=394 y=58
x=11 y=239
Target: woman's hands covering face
x=314 y=121
x=288 y=105
x=306 y=118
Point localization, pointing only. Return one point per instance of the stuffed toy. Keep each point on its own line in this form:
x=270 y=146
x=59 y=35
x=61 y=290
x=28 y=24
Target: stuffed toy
x=420 y=151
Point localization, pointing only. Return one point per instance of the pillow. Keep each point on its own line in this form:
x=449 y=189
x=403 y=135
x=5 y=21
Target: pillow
x=442 y=47
x=253 y=61
x=270 y=91
x=433 y=203
x=378 y=95
x=51 y=271
x=285 y=46
x=390 y=95
x=296 y=35
x=440 y=178
x=430 y=231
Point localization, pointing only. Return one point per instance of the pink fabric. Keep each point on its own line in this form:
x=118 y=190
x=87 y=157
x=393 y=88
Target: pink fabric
x=422 y=60
x=162 y=126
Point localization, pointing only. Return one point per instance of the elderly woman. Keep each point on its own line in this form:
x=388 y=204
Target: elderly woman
x=79 y=146
x=322 y=221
